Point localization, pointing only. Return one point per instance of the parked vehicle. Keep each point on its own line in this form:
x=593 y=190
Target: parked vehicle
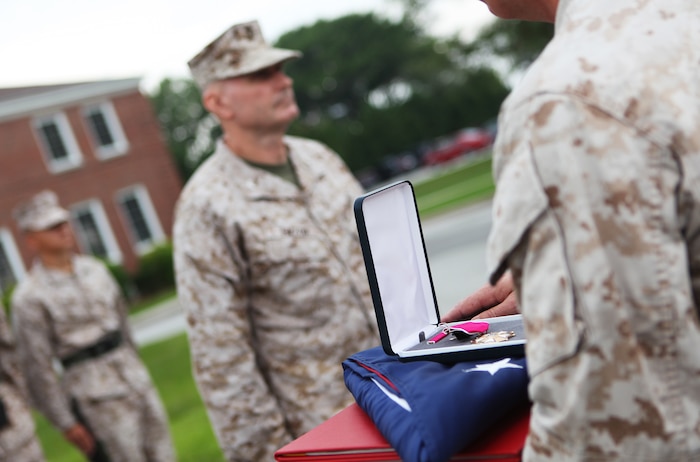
x=393 y=165
x=462 y=142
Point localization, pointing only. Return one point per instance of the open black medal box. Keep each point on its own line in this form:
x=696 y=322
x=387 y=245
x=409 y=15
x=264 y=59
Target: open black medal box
x=402 y=288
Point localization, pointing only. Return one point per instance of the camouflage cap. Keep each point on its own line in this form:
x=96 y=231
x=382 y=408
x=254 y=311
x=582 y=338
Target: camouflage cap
x=39 y=213
x=239 y=51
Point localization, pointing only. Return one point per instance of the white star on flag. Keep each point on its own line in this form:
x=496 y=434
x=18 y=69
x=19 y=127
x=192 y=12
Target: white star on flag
x=492 y=368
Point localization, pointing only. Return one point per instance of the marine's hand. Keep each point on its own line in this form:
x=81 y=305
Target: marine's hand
x=487 y=302
x=80 y=437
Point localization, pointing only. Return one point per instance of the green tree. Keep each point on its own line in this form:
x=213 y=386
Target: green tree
x=518 y=42
x=355 y=57
x=370 y=87
x=187 y=126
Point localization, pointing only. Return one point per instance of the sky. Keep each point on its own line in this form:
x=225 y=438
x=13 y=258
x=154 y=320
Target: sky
x=54 y=41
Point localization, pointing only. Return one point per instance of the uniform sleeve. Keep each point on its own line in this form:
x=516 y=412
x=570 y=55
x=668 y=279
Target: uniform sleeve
x=121 y=308
x=350 y=184
x=122 y=311
x=344 y=180
x=9 y=362
x=36 y=360
x=211 y=286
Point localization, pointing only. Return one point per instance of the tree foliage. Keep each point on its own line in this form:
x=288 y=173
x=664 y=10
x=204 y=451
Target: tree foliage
x=370 y=87
x=178 y=105
x=349 y=59
x=519 y=42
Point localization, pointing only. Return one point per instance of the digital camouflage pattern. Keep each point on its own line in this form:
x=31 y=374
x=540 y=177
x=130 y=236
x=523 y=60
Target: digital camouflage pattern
x=240 y=50
x=57 y=314
x=40 y=212
x=18 y=442
x=273 y=283
x=597 y=214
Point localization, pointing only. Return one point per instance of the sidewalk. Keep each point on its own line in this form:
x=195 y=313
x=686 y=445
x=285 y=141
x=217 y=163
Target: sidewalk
x=158 y=323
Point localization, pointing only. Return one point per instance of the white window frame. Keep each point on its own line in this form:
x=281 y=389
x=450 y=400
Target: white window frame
x=149 y=214
x=74 y=157
x=120 y=145
x=13 y=256
x=95 y=208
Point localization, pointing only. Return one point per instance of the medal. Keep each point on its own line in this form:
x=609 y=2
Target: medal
x=495 y=337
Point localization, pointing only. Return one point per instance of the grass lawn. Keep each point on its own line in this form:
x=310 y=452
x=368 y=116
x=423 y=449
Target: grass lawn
x=456 y=186
x=169 y=364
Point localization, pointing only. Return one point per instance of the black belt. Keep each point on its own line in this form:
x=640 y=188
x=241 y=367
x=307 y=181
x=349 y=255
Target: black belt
x=104 y=345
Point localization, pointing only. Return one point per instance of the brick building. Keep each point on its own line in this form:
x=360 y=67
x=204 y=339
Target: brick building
x=98 y=145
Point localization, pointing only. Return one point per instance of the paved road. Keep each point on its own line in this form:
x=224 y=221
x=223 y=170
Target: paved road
x=158 y=323
x=455 y=242
x=456 y=245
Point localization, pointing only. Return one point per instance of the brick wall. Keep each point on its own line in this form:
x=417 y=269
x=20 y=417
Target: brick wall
x=147 y=162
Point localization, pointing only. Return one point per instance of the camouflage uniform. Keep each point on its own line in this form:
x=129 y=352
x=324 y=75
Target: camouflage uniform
x=596 y=213
x=57 y=314
x=273 y=283
x=18 y=442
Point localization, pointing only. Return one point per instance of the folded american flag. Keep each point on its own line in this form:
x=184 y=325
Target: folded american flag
x=429 y=411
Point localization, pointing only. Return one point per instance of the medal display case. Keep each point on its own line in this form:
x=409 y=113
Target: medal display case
x=402 y=288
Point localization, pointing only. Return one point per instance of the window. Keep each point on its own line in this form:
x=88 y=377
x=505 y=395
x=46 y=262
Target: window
x=58 y=143
x=11 y=266
x=92 y=231
x=141 y=219
x=106 y=131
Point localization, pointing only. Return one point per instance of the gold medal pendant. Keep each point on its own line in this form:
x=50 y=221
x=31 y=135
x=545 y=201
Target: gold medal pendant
x=495 y=337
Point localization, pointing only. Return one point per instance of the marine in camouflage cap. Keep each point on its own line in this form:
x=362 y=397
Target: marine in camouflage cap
x=41 y=212
x=239 y=51
x=70 y=309
x=268 y=264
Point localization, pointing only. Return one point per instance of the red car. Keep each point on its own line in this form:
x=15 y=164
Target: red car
x=464 y=141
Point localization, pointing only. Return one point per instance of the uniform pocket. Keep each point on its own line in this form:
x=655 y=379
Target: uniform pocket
x=526 y=236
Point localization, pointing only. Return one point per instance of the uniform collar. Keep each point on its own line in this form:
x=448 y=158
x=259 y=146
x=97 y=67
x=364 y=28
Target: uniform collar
x=258 y=184
x=53 y=276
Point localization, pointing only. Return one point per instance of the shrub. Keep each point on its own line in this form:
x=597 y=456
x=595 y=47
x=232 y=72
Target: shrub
x=122 y=278
x=156 y=272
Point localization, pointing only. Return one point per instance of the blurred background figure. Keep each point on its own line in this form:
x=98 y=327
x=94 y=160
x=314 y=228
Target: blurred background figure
x=269 y=268
x=18 y=443
x=70 y=309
